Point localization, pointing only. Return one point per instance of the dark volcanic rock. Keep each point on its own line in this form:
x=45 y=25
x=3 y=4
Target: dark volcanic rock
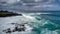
x=7 y=14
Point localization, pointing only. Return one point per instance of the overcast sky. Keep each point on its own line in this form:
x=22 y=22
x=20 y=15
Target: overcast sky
x=30 y=5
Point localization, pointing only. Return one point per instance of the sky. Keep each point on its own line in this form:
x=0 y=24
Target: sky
x=20 y=5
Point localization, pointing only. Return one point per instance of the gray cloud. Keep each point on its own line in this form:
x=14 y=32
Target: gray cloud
x=27 y=4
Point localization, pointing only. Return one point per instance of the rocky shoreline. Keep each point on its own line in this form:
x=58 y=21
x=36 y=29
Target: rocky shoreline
x=8 y=14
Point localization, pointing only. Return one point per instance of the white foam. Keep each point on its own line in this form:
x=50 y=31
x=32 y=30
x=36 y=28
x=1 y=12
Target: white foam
x=29 y=17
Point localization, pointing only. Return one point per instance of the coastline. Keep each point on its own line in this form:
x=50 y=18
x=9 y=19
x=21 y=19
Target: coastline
x=8 y=14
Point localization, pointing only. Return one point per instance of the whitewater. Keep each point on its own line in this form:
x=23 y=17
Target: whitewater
x=35 y=24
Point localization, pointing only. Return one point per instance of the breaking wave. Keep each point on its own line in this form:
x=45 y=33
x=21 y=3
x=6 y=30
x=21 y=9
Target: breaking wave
x=38 y=24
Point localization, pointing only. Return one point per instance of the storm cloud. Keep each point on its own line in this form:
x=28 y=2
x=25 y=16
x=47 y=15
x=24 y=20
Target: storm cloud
x=29 y=5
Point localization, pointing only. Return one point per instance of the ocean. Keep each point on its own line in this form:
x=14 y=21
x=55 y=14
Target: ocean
x=39 y=23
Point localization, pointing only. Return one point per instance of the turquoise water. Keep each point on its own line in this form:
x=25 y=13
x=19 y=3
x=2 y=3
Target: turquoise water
x=40 y=23
x=45 y=24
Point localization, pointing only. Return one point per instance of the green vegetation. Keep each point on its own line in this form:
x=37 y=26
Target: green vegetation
x=7 y=13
